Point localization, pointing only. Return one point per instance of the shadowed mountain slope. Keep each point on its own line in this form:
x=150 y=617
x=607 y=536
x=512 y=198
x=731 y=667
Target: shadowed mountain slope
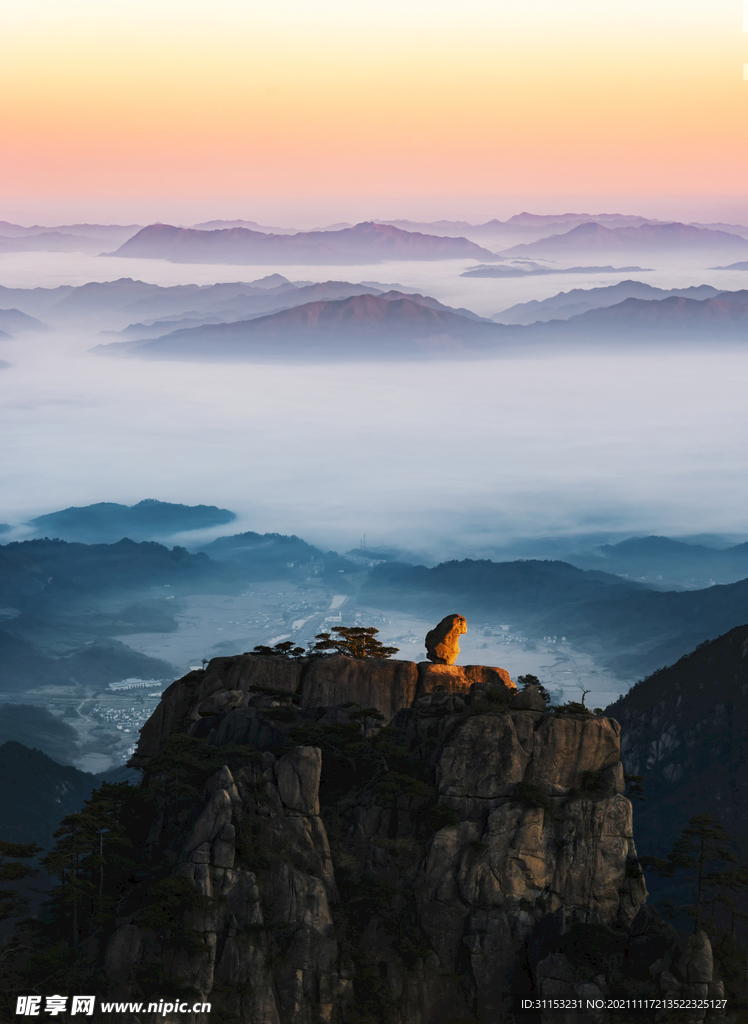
x=13 y=321
x=581 y=300
x=270 y=300
x=53 y=567
x=726 y=312
x=273 y=555
x=36 y=793
x=388 y=326
x=95 y=664
x=38 y=728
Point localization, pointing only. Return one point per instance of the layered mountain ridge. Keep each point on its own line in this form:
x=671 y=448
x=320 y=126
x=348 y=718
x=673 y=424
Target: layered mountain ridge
x=658 y=237
x=364 y=243
x=397 y=326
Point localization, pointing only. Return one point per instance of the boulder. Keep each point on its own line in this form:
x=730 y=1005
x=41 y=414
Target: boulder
x=460 y=678
x=442 y=642
x=528 y=699
x=695 y=963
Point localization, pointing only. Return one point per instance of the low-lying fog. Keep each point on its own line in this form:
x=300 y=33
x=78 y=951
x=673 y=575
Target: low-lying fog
x=450 y=459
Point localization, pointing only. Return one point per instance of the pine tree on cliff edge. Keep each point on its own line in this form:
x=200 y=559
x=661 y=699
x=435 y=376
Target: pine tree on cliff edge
x=353 y=641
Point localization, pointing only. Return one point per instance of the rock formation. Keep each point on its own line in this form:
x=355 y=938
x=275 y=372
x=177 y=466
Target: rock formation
x=282 y=879
x=443 y=641
x=485 y=831
x=225 y=693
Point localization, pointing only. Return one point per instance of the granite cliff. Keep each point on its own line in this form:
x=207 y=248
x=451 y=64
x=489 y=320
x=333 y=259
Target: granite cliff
x=388 y=841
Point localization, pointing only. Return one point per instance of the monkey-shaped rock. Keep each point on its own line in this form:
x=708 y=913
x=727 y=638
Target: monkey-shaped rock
x=442 y=642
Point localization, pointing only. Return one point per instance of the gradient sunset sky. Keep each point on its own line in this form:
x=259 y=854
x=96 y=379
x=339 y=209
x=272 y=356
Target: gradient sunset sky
x=151 y=109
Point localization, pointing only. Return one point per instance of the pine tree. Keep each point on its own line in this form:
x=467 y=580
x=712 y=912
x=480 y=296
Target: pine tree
x=732 y=885
x=353 y=641
x=703 y=842
x=11 y=870
x=91 y=857
x=286 y=649
x=530 y=680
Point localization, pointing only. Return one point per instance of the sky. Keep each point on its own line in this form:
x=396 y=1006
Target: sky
x=158 y=109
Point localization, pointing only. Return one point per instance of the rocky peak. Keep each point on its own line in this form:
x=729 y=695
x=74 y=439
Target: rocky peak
x=421 y=889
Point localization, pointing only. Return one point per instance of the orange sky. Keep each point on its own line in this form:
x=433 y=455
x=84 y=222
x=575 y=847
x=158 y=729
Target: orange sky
x=242 y=99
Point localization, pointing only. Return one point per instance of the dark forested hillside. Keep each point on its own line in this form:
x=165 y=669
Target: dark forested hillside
x=683 y=730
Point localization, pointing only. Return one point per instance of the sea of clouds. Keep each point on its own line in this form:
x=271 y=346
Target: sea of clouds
x=447 y=459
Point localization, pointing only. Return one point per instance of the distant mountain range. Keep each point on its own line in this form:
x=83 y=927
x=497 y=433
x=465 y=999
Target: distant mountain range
x=53 y=241
x=667 y=562
x=524 y=222
x=363 y=243
x=579 y=300
x=89 y=230
x=526 y=268
x=595 y=237
x=88 y=238
x=67 y=600
x=108 y=521
x=533 y=224
x=64 y=603
x=521 y=228
x=119 y=303
x=396 y=326
x=218 y=225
